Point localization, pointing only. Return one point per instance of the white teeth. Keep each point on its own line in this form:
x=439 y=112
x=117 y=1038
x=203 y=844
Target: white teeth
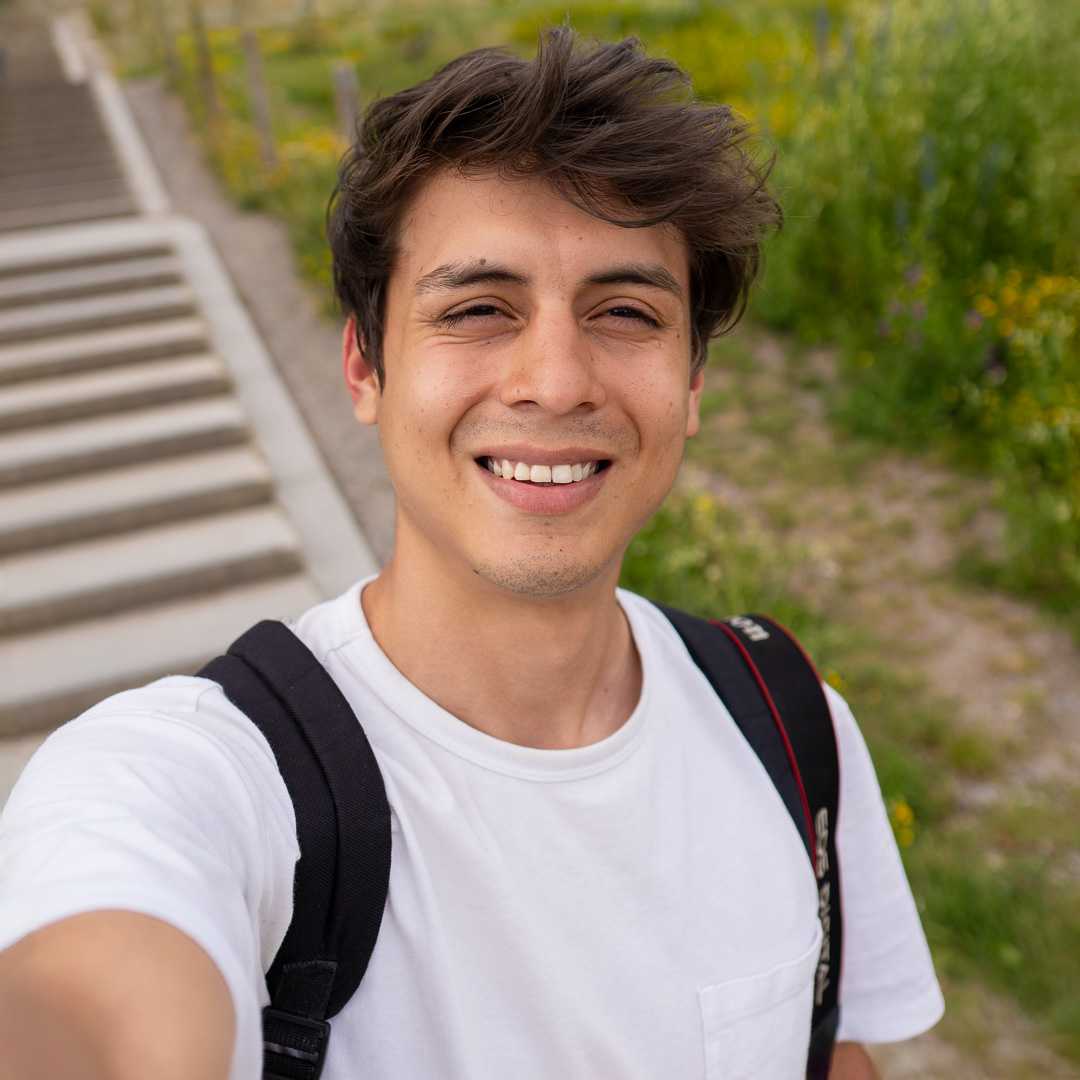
x=541 y=474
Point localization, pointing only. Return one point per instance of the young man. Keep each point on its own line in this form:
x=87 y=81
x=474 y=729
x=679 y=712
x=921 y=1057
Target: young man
x=592 y=874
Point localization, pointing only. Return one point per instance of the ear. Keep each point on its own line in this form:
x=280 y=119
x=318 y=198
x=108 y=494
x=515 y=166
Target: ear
x=693 y=412
x=360 y=377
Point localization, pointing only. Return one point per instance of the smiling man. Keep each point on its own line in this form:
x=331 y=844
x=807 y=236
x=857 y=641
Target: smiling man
x=592 y=875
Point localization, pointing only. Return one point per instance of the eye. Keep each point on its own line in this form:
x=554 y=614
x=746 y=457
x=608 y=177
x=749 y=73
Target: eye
x=624 y=311
x=477 y=311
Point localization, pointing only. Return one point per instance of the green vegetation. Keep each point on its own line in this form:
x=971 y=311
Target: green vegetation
x=930 y=190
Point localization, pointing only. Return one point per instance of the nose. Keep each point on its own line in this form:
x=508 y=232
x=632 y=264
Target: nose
x=552 y=367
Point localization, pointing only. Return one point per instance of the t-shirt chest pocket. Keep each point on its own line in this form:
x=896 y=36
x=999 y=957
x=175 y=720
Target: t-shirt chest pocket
x=758 y=1027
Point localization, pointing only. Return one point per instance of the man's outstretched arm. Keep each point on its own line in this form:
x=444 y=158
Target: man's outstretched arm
x=112 y=995
x=850 y=1061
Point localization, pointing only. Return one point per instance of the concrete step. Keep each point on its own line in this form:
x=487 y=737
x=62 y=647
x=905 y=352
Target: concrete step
x=104 y=442
x=33 y=322
x=103 y=577
x=96 y=349
x=31 y=150
x=51 y=285
x=56 y=123
x=52 y=675
x=131 y=497
x=82 y=173
x=47 y=216
x=50 y=122
x=98 y=393
x=64 y=129
x=41 y=196
x=38 y=262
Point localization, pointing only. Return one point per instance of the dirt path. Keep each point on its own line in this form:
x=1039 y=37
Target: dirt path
x=882 y=531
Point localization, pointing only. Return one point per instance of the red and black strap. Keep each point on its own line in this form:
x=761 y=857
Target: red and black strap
x=776 y=699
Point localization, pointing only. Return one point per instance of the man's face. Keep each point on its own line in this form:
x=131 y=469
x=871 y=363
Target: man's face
x=521 y=330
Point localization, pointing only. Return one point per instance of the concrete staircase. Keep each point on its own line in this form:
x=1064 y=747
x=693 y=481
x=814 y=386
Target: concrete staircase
x=56 y=161
x=137 y=518
x=157 y=495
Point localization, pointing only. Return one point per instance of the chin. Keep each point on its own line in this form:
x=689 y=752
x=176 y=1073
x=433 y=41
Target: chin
x=541 y=576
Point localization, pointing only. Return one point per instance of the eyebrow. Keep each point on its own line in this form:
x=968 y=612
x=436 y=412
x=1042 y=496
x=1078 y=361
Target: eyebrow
x=474 y=272
x=638 y=274
x=481 y=272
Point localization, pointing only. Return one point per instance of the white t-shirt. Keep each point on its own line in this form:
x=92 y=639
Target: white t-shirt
x=639 y=908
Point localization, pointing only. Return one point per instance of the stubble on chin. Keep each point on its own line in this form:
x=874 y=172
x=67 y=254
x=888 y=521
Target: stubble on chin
x=539 y=576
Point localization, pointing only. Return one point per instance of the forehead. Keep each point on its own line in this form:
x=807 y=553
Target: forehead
x=524 y=223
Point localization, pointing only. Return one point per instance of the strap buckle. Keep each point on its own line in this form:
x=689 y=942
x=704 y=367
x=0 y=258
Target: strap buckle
x=294 y=1047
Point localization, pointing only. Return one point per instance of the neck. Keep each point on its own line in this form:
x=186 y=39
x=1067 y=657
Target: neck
x=492 y=658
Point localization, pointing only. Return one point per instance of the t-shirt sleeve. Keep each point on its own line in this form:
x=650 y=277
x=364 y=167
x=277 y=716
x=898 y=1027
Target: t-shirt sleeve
x=888 y=989
x=165 y=801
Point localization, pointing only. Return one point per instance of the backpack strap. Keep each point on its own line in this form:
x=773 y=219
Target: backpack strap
x=775 y=696
x=343 y=831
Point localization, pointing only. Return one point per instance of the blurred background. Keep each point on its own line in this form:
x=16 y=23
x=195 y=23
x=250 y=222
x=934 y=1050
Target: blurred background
x=890 y=461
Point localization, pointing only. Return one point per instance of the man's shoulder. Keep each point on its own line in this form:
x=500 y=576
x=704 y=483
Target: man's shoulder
x=172 y=718
x=172 y=695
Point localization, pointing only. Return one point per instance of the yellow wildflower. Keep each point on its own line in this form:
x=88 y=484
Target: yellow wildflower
x=903 y=821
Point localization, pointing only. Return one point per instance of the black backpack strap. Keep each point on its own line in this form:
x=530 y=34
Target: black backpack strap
x=343 y=831
x=775 y=696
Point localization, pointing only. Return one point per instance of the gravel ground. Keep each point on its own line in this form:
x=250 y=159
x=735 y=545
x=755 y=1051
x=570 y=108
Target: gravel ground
x=304 y=344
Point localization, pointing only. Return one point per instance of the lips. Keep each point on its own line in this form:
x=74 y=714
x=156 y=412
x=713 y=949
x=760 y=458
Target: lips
x=544 y=496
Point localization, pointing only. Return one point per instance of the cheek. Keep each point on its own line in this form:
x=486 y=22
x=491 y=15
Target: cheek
x=662 y=403
x=421 y=409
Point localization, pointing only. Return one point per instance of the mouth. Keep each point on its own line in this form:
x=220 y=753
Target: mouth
x=546 y=475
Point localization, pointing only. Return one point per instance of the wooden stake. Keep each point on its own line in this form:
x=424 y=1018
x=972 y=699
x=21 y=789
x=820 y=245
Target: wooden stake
x=166 y=44
x=259 y=97
x=346 y=99
x=205 y=61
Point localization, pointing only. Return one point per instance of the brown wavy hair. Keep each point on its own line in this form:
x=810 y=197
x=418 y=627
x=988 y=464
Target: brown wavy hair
x=617 y=133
